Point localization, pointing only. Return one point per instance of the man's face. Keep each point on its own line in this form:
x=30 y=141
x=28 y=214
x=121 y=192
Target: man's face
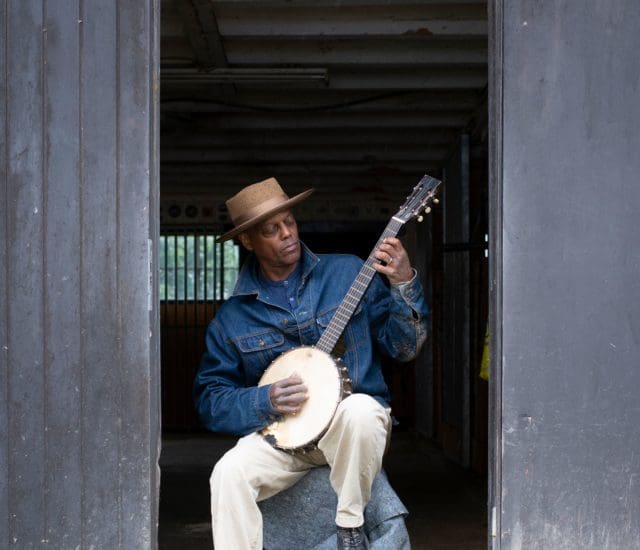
x=275 y=244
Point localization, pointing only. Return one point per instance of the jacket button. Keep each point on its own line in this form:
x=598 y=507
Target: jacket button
x=261 y=343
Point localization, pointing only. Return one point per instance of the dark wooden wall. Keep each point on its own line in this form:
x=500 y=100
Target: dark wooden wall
x=183 y=329
x=420 y=387
x=565 y=247
x=79 y=376
x=456 y=312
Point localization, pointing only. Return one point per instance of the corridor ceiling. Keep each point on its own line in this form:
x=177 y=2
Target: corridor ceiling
x=344 y=96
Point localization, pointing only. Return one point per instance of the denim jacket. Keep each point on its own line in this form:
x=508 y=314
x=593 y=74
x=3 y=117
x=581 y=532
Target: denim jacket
x=250 y=330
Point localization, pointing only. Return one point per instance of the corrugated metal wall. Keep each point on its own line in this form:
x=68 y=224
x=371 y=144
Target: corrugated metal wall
x=79 y=380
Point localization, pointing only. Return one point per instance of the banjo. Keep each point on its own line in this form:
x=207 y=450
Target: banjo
x=326 y=378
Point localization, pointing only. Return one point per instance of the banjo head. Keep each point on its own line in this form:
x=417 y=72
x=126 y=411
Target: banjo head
x=324 y=381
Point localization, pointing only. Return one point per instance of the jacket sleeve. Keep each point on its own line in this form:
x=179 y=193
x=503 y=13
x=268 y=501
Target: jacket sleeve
x=222 y=400
x=399 y=316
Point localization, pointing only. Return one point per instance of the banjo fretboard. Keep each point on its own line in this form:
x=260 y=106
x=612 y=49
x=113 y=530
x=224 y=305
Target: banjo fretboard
x=354 y=295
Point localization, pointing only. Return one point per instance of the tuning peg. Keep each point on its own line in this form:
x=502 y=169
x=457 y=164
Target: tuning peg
x=420 y=218
x=427 y=210
x=436 y=201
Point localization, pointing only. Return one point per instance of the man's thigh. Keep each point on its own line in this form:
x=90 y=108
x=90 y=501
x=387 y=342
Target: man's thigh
x=266 y=469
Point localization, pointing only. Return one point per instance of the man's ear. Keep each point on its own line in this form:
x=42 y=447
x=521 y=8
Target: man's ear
x=245 y=240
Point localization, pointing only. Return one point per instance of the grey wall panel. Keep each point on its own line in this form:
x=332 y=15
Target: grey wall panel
x=136 y=199
x=571 y=275
x=100 y=313
x=25 y=338
x=63 y=399
x=79 y=378
x=4 y=286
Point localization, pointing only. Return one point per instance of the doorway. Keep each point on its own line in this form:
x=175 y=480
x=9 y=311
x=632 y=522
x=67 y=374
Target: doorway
x=358 y=100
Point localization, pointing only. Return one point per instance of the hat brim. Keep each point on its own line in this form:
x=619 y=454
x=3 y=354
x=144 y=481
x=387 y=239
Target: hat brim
x=264 y=216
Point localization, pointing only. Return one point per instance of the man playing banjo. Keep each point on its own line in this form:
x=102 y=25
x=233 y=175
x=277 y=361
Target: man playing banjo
x=284 y=298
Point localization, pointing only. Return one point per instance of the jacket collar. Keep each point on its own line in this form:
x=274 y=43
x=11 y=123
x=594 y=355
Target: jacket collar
x=249 y=277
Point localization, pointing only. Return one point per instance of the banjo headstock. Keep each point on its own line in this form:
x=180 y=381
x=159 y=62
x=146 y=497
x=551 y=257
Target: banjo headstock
x=418 y=201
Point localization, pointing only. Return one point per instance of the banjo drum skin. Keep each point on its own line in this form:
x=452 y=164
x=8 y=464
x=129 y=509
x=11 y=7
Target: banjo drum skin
x=327 y=383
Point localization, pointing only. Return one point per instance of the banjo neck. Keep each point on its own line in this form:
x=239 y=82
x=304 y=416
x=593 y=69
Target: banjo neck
x=354 y=295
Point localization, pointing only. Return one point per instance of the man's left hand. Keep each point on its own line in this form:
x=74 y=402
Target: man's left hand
x=396 y=265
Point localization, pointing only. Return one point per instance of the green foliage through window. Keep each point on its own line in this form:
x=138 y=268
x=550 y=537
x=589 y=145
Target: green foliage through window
x=194 y=267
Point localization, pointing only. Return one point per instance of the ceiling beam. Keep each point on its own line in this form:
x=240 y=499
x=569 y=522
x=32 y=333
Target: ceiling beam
x=292 y=182
x=346 y=121
x=267 y=4
x=379 y=153
x=308 y=170
x=325 y=101
x=389 y=137
x=341 y=20
x=224 y=187
x=344 y=77
x=252 y=52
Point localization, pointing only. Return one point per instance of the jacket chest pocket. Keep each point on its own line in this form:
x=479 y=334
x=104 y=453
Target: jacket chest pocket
x=258 y=350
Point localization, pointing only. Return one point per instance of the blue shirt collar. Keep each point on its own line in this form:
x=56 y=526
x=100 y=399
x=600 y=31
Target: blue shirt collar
x=249 y=277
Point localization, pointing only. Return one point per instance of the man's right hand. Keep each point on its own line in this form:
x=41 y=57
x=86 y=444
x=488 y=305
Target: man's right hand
x=288 y=395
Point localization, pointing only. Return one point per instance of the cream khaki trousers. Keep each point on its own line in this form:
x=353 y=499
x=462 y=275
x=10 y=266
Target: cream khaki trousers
x=253 y=470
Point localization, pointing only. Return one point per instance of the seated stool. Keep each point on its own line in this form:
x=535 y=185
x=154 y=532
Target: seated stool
x=303 y=517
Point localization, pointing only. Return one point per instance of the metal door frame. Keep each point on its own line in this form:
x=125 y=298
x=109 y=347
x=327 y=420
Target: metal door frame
x=495 y=272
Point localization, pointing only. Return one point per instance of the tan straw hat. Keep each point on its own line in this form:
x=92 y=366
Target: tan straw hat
x=257 y=202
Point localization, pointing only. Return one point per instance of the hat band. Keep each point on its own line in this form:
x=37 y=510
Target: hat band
x=260 y=209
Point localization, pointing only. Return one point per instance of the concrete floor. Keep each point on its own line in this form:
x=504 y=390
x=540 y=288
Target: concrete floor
x=447 y=505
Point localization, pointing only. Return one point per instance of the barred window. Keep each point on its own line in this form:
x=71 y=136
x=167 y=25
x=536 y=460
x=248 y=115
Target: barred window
x=193 y=267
